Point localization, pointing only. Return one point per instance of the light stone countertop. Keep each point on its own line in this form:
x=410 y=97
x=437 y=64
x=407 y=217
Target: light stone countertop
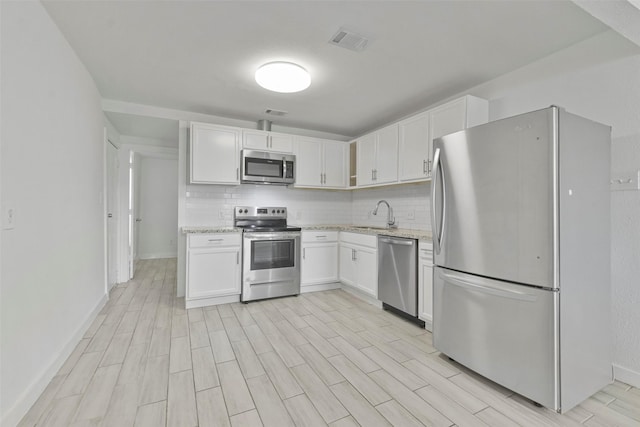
x=395 y=232
x=206 y=229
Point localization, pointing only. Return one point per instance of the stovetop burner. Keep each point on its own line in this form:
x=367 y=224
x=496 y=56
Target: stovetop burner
x=262 y=219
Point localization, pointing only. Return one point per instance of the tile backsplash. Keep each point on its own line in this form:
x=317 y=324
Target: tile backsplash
x=410 y=202
x=212 y=205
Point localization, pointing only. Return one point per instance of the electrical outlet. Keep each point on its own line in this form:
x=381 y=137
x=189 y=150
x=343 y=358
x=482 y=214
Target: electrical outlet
x=411 y=214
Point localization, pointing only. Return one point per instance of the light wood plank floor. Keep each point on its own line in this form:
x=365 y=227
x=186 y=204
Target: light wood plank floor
x=325 y=358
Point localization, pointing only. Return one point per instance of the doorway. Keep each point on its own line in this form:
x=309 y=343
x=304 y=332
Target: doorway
x=156 y=206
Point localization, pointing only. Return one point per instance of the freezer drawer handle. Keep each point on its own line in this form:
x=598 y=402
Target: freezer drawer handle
x=522 y=296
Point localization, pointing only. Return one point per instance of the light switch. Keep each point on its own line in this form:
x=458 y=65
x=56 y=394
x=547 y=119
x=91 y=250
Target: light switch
x=625 y=181
x=8 y=218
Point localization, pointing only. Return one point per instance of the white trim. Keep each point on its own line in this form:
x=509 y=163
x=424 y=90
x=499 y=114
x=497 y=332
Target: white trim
x=204 y=302
x=319 y=287
x=626 y=375
x=31 y=394
x=105 y=210
x=158 y=255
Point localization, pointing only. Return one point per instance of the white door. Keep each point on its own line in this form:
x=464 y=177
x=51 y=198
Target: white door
x=335 y=164
x=366 y=159
x=134 y=209
x=158 y=201
x=308 y=162
x=387 y=155
x=414 y=148
x=112 y=214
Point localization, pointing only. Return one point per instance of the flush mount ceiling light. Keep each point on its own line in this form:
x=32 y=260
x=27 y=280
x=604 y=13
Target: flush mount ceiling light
x=284 y=77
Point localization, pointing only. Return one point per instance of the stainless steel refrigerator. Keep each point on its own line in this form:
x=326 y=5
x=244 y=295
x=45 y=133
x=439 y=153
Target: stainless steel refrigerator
x=521 y=225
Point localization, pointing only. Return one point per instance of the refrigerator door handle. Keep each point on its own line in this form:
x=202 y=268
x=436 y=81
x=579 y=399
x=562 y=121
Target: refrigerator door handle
x=437 y=168
x=488 y=288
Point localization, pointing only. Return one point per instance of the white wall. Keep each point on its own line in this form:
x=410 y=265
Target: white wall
x=53 y=276
x=598 y=79
x=158 y=207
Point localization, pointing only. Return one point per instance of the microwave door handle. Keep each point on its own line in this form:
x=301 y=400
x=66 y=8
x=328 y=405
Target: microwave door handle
x=284 y=168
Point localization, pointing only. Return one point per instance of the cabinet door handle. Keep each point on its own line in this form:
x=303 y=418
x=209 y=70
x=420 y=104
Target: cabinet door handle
x=429 y=167
x=372 y=175
x=424 y=167
x=237 y=173
x=304 y=253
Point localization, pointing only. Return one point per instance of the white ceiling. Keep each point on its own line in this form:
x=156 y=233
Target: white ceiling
x=200 y=56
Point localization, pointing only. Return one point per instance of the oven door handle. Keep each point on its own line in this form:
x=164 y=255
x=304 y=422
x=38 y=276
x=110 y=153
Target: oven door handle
x=271 y=236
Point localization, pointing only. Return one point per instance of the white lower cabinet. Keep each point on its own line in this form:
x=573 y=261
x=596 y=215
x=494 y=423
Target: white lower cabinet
x=425 y=284
x=319 y=265
x=213 y=268
x=359 y=262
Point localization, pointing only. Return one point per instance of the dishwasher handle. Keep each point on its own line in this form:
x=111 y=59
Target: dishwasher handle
x=403 y=242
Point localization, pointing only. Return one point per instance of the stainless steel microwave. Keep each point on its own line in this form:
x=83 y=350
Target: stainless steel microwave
x=264 y=167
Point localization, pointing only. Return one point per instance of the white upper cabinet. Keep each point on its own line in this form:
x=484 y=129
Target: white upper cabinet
x=214 y=154
x=320 y=163
x=414 y=150
x=417 y=133
x=456 y=115
x=267 y=141
x=378 y=157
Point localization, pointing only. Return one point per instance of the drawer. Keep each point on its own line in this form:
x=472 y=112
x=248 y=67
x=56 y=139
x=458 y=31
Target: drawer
x=214 y=239
x=319 y=236
x=370 y=240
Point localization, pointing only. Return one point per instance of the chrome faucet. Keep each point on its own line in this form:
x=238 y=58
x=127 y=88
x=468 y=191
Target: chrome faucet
x=391 y=221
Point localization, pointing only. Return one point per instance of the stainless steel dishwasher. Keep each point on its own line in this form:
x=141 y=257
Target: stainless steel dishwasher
x=398 y=276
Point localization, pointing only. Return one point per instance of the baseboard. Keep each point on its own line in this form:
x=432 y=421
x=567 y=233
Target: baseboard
x=319 y=287
x=363 y=296
x=158 y=255
x=13 y=416
x=205 y=302
x=626 y=375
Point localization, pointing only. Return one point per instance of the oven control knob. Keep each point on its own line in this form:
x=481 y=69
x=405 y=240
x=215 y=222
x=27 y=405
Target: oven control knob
x=273 y=211
x=245 y=211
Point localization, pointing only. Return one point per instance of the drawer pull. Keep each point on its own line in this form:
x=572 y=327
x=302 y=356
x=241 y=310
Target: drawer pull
x=216 y=240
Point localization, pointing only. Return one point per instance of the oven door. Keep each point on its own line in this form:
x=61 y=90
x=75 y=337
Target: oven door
x=271 y=265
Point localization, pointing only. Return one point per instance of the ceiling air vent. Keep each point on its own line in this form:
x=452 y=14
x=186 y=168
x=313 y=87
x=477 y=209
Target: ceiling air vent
x=275 y=112
x=349 y=40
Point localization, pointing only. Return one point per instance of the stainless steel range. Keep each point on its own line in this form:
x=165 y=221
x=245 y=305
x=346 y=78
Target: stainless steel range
x=270 y=253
